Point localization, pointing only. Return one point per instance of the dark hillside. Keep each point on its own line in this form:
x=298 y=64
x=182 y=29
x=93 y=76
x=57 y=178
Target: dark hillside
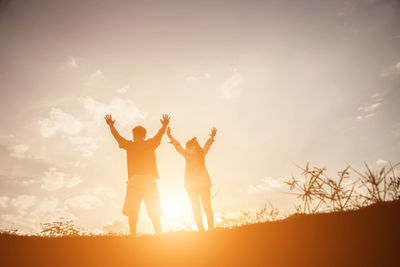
x=366 y=237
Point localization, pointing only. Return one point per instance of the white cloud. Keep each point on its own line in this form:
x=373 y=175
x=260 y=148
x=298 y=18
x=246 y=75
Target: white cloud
x=370 y=115
x=86 y=153
x=54 y=180
x=86 y=145
x=19 y=151
x=83 y=140
x=72 y=62
x=73 y=181
x=23 y=202
x=377 y=97
x=124 y=111
x=123 y=89
x=198 y=77
x=381 y=162
x=111 y=195
x=267 y=183
x=369 y=108
x=230 y=88
x=47 y=205
x=59 y=121
x=22 y=222
x=29 y=182
x=100 y=190
x=190 y=79
x=83 y=202
x=95 y=78
x=97 y=74
x=4 y=201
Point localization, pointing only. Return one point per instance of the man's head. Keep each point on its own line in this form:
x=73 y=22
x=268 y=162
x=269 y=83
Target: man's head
x=139 y=133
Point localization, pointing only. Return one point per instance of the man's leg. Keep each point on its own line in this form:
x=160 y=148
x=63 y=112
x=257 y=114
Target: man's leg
x=153 y=206
x=131 y=208
x=205 y=196
x=194 y=199
x=133 y=218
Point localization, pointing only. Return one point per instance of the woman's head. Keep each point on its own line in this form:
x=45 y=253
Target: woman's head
x=193 y=146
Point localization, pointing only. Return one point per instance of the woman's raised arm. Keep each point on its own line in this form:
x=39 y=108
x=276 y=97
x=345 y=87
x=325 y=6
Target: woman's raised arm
x=176 y=144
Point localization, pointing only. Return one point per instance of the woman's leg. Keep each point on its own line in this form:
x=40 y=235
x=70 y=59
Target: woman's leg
x=194 y=199
x=205 y=196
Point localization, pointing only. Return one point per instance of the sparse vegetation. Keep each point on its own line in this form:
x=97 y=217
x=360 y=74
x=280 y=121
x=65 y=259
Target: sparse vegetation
x=268 y=213
x=62 y=227
x=320 y=192
x=9 y=231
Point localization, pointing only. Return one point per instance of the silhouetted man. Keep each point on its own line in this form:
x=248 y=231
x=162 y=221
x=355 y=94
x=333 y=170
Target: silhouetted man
x=142 y=173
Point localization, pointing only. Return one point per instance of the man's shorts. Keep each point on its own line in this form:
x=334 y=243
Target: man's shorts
x=142 y=187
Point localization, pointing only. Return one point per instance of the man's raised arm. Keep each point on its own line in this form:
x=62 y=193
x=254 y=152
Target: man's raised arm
x=121 y=141
x=164 y=121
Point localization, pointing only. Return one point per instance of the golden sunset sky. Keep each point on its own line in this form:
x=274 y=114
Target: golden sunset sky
x=285 y=82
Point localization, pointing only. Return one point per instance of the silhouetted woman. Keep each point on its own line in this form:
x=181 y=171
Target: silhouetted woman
x=197 y=179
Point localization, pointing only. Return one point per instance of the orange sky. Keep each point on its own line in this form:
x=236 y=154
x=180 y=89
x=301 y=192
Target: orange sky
x=283 y=84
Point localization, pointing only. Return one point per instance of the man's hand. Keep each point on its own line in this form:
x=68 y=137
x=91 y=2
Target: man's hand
x=213 y=132
x=109 y=119
x=165 y=120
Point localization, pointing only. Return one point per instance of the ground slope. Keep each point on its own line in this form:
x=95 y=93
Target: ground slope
x=367 y=237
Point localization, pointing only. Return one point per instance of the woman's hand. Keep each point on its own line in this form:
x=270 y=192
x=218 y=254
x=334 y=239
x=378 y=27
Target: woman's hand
x=213 y=132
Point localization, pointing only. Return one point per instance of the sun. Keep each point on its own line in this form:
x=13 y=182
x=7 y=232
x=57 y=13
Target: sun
x=175 y=205
x=174 y=208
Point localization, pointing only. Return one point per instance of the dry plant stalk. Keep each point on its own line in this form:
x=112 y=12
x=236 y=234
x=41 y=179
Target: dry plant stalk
x=319 y=192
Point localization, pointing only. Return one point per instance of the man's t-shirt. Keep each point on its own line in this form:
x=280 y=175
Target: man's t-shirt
x=141 y=157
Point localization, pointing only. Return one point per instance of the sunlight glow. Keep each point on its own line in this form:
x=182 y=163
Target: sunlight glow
x=174 y=208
